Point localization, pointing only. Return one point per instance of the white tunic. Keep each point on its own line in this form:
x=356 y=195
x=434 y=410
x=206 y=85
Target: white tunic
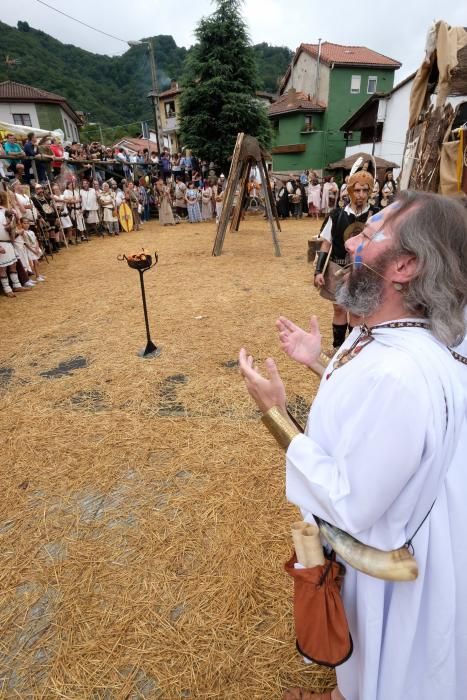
x=378 y=450
x=25 y=201
x=64 y=216
x=75 y=207
x=9 y=256
x=89 y=204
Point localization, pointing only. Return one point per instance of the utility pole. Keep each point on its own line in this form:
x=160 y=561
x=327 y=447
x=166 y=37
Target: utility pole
x=154 y=89
x=318 y=63
x=155 y=96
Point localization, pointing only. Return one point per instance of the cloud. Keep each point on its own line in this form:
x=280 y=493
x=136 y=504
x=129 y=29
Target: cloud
x=397 y=29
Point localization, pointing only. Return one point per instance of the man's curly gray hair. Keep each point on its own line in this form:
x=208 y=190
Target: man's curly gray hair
x=433 y=228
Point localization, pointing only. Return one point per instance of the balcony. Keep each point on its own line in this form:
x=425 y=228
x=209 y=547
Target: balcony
x=171 y=124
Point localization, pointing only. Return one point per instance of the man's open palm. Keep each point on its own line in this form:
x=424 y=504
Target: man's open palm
x=300 y=345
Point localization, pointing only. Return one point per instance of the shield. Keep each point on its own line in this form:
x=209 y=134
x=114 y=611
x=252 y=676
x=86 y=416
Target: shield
x=126 y=217
x=353 y=229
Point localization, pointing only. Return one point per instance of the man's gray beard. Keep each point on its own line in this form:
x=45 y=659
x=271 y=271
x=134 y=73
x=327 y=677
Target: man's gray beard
x=361 y=293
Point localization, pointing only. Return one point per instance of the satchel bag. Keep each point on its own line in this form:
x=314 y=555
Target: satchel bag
x=328 y=291
x=321 y=627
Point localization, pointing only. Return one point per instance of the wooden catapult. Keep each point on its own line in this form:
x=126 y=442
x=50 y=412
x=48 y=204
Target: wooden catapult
x=247 y=154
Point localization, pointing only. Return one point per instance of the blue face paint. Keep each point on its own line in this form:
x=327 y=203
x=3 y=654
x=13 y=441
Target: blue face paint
x=379 y=236
x=358 y=260
x=376 y=217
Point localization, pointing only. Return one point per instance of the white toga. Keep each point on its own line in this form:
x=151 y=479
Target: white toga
x=379 y=448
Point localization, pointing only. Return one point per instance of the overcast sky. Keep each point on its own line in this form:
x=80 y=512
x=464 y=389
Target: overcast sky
x=396 y=28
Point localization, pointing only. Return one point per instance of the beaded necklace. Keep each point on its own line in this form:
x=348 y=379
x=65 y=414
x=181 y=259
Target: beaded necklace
x=366 y=336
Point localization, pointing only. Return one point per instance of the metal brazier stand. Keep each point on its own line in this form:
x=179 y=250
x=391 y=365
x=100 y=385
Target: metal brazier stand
x=151 y=350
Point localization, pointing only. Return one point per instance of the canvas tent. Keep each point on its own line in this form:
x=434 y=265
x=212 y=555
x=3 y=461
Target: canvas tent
x=434 y=150
x=22 y=131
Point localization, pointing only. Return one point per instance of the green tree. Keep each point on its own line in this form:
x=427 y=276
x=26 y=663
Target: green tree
x=219 y=98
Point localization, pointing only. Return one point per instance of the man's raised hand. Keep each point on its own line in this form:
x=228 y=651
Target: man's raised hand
x=300 y=345
x=266 y=392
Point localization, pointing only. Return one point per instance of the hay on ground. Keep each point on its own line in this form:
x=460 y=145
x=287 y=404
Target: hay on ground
x=143 y=521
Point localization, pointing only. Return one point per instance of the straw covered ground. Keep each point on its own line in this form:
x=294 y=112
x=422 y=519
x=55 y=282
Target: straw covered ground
x=143 y=523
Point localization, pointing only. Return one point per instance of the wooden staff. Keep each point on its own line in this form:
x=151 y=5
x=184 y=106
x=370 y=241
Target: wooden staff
x=40 y=233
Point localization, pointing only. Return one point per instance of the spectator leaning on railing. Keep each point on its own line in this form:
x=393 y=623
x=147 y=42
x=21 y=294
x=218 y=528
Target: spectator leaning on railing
x=13 y=149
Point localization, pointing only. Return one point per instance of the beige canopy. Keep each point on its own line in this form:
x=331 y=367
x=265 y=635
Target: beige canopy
x=346 y=163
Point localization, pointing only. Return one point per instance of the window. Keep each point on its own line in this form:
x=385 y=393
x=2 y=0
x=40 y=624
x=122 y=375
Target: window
x=355 y=84
x=308 y=122
x=372 y=81
x=169 y=109
x=22 y=119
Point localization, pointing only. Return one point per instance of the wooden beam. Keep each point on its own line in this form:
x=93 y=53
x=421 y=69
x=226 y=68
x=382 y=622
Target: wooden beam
x=269 y=194
x=290 y=148
x=267 y=202
x=232 y=181
x=237 y=214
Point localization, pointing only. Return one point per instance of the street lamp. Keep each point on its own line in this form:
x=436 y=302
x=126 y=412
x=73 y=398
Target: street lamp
x=155 y=98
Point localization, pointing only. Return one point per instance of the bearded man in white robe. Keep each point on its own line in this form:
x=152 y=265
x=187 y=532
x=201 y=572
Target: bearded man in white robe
x=383 y=453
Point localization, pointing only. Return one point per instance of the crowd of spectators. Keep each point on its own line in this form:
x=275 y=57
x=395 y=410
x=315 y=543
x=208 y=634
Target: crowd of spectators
x=311 y=195
x=55 y=197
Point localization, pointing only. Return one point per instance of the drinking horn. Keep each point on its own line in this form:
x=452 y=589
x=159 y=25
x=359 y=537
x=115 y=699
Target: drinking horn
x=394 y=565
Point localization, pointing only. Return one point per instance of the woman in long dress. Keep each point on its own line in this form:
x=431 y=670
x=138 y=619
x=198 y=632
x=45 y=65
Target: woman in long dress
x=219 y=193
x=314 y=198
x=330 y=191
x=166 y=217
x=388 y=190
x=192 y=204
x=206 y=202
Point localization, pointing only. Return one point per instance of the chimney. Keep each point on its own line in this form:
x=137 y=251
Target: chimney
x=173 y=84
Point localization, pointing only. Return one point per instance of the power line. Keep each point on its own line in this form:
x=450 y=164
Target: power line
x=115 y=126
x=80 y=22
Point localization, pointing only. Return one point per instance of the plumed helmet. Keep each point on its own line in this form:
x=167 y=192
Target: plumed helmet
x=362 y=177
x=363 y=172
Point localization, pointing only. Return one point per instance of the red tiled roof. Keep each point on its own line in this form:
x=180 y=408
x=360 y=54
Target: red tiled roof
x=9 y=91
x=293 y=101
x=349 y=55
x=134 y=144
x=170 y=92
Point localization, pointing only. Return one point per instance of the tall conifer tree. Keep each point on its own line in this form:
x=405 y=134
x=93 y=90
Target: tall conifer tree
x=218 y=99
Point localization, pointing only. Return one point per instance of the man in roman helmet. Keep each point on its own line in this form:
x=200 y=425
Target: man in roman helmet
x=341 y=225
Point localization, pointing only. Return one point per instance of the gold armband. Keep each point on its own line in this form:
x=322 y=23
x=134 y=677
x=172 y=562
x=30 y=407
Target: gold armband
x=280 y=426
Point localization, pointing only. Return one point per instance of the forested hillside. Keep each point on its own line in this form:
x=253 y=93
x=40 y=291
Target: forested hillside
x=111 y=89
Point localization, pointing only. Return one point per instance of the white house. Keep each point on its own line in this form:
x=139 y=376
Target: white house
x=27 y=106
x=382 y=121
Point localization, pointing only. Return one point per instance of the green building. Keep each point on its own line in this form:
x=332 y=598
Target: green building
x=323 y=86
